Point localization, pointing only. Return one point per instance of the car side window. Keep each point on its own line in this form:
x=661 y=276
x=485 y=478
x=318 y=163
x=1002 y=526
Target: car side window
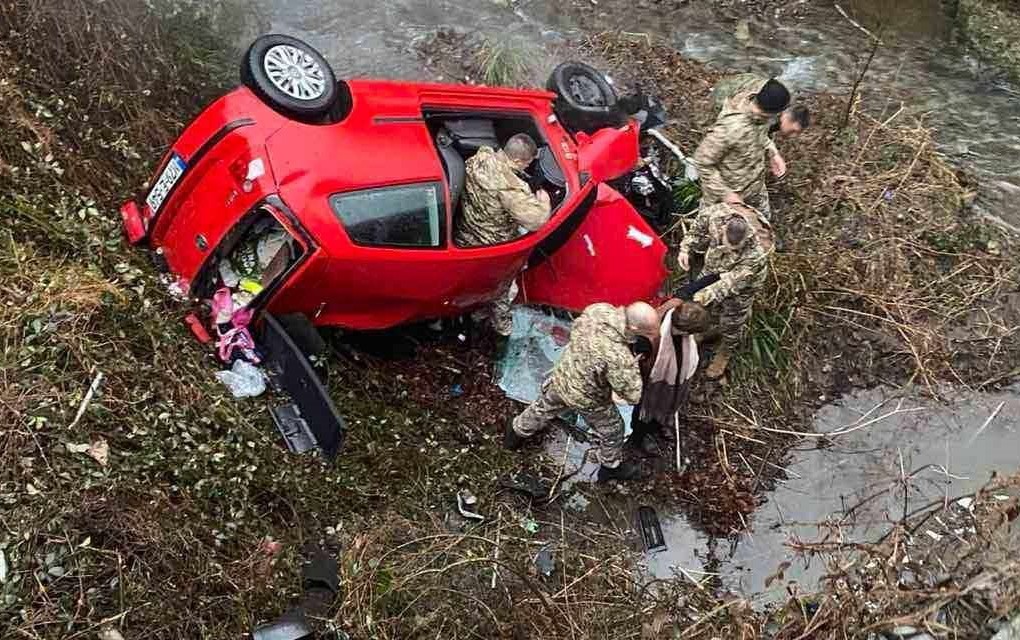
x=404 y=216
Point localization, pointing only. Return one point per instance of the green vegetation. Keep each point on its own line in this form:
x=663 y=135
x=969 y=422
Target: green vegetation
x=502 y=61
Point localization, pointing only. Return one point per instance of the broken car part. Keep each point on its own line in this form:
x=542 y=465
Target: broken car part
x=290 y=371
x=651 y=529
x=293 y=428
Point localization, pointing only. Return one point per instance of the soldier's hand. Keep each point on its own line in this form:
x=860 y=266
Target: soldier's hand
x=542 y=196
x=617 y=400
x=684 y=261
x=778 y=166
x=733 y=198
x=702 y=297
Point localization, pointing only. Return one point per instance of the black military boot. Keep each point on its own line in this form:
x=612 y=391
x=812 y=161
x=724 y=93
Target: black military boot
x=511 y=440
x=626 y=471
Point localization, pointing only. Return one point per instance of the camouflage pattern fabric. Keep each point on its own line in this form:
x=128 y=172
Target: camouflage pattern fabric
x=727 y=94
x=605 y=422
x=732 y=156
x=496 y=202
x=595 y=363
x=598 y=361
x=741 y=268
x=500 y=311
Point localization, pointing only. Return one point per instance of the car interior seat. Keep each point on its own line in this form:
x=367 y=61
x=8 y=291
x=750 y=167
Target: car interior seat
x=453 y=165
x=471 y=134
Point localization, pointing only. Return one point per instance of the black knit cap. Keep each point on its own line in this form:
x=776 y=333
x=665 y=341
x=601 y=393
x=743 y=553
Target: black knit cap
x=773 y=97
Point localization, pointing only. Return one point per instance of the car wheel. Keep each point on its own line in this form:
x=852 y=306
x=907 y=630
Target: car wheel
x=291 y=77
x=585 y=100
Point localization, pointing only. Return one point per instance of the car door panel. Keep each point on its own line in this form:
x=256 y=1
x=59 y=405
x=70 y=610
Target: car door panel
x=612 y=256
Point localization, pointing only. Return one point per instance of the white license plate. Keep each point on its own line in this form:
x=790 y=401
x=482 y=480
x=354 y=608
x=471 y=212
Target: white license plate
x=171 y=174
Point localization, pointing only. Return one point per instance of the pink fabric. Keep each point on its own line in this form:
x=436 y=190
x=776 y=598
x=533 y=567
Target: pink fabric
x=238 y=336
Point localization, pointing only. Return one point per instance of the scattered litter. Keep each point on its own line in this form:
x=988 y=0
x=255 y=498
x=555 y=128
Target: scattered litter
x=529 y=525
x=100 y=452
x=244 y=380
x=544 y=560
x=643 y=239
x=293 y=428
x=578 y=503
x=110 y=633
x=527 y=484
x=197 y=328
x=76 y=448
x=651 y=529
x=934 y=536
x=87 y=399
x=176 y=287
x=456 y=391
x=3 y=567
x=465 y=502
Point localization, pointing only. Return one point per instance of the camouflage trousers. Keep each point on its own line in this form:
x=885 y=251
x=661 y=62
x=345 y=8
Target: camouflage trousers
x=605 y=422
x=758 y=197
x=733 y=314
x=500 y=311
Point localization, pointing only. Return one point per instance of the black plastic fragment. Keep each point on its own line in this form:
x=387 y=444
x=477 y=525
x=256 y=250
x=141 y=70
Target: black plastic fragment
x=651 y=529
x=291 y=371
x=293 y=428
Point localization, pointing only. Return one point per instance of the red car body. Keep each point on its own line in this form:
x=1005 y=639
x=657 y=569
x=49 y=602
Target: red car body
x=241 y=156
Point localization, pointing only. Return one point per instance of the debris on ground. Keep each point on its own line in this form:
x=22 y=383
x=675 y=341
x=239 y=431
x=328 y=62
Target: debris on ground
x=243 y=379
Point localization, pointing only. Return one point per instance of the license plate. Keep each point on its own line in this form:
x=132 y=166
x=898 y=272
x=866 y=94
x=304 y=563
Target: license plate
x=171 y=174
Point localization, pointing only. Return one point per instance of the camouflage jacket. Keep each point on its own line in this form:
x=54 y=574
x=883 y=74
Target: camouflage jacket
x=732 y=90
x=496 y=202
x=598 y=361
x=741 y=268
x=732 y=155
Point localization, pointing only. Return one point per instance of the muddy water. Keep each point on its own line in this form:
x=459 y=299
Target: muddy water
x=979 y=127
x=942 y=450
x=853 y=480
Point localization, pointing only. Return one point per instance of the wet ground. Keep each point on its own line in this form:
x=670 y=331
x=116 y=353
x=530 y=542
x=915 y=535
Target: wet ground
x=849 y=485
x=916 y=68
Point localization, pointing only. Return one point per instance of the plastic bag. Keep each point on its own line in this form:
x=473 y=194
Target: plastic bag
x=244 y=380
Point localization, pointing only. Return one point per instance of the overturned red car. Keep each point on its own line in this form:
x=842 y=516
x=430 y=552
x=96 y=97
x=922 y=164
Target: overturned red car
x=345 y=195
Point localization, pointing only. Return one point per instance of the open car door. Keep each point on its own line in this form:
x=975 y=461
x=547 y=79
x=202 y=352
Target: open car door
x=606 y=252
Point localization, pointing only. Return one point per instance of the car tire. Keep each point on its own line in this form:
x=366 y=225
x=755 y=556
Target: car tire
x=585 y=100
x=292 y=78
x=304 y=334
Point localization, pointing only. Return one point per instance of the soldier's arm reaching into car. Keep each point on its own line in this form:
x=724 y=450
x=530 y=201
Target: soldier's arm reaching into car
x=530 y=210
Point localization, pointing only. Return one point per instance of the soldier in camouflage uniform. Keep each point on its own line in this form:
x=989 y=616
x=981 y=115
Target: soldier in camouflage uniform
x=736 y=242
x=733 y=91
x=497 y=203
x=596 y=371
x=731 y=158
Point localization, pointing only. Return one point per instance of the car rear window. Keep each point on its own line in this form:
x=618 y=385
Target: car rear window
x=404 y=216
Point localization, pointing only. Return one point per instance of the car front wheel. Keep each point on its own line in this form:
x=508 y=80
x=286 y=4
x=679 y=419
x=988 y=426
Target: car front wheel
x=291 y=77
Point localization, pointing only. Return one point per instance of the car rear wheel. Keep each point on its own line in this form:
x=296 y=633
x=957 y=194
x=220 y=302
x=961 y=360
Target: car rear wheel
x=585 y=100
x=291 y=77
